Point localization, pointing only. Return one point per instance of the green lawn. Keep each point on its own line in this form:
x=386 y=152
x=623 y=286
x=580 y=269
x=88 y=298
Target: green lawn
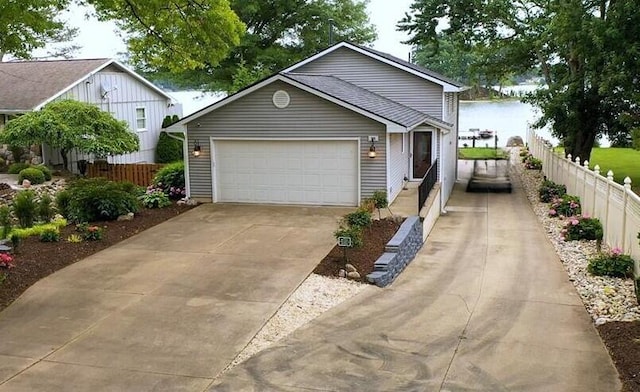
x=622 y=161
x=481 y=153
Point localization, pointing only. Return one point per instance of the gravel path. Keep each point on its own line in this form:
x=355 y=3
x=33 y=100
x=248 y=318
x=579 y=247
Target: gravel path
x=606 y=299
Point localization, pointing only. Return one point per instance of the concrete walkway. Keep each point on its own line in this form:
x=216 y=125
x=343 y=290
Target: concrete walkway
x=165 y=310
x=486 y=306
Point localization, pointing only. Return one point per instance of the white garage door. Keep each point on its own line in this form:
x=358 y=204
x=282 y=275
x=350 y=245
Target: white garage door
x=286 y=172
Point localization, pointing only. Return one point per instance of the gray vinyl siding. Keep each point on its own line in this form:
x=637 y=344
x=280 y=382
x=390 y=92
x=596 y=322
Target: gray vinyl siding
x=306 y=117
x=127 y=94
x=381 y=78
x=450 y=152
x=398 y=164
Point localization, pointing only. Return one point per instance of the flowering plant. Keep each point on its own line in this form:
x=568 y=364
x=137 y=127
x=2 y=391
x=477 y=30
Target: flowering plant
x=6 y=261
x=90 y=233
x=532 y=163
x=566 y=205
x=614 y=263
x=582 y=228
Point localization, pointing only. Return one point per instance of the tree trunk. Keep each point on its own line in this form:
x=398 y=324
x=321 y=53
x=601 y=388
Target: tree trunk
x=65 y=159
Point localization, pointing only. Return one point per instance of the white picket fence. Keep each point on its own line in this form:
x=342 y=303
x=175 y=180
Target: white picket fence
x=617 y=206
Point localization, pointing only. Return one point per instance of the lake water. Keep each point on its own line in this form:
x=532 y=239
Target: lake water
x=506 y=118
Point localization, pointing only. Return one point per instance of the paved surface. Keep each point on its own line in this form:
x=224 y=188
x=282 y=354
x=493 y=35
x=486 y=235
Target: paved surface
x=486 y=306
x=490 y=175
x=166 y=310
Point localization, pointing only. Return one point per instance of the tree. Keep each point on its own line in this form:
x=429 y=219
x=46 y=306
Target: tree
x=279 y=33
x=26 y=25
x=568 y=40
x=69 y=125
x=179 y=35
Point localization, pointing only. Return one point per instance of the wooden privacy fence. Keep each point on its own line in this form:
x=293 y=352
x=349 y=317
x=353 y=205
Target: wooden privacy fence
x=137 y=173
x=617 y=206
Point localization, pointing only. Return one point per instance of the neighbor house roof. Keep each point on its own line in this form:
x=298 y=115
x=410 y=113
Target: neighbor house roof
x=449 y=85
x=367 y=100
x=29 y=85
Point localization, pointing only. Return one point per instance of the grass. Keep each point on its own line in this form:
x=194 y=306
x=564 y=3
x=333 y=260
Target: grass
x=623 y=162
x=481 y=153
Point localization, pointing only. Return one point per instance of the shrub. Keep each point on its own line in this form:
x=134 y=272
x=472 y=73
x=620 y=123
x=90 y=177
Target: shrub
x=50 y=235
x=90 y=233
x=74 y=238
x=155 y=198
x=5 y=220
x=353 y=232
x=166 y=121
x=532 y=163
x=32 y=174
x=524 y=152
x=582 y=228
x=6 y=261
x=380 y=201
x=368 y=205
x=96 y=199
x=567 y=205
x=359 y=218
x=168 y=149
x=45 y=170
x=24 y=207
x=63 y=198
x=549 y=190
x=37 y=229
x=45 y=210
x=15 y=241
x=613 y=264
x=17 y=167
x=171 y=180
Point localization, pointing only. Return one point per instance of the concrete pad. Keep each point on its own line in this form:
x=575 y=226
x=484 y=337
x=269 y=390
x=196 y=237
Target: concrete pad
x=194 y=337
x=509 y=366
x=45 y=318
x=10 y=366
x=57 y=377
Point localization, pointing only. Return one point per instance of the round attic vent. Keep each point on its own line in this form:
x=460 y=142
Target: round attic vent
x=281 y=99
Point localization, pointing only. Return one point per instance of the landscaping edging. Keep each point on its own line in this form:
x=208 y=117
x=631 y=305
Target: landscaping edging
x=399 y=252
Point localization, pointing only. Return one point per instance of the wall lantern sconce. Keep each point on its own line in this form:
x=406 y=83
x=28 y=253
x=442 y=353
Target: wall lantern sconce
x=372 y=148
x=196 y=149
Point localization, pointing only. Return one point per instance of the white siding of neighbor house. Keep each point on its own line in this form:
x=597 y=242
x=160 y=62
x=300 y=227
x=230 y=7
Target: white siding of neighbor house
x=127 y=94
x=306 y=117
x=398 y=164
x=381 y=78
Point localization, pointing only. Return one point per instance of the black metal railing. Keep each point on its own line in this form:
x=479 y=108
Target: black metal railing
x=428 y=181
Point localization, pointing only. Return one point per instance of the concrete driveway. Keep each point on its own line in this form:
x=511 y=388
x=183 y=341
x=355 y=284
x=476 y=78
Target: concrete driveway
x=485 y=306
x=165 y=310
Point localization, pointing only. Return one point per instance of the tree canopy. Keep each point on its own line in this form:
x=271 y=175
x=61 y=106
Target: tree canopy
x=279 y=33
x=587 y=52
x=69 y=125
x=176 y=34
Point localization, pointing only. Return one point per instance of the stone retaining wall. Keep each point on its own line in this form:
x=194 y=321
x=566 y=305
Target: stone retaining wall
x=399 y=252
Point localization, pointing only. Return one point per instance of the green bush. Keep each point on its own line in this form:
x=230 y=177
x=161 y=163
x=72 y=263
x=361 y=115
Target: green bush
x=582 y=228
x=155 y=198
x=168 y=149
x=549 y=190
x=166 y=121
x=17 y=167
x=353 y=232
x=90 y=232
x=97 y=199
x=32 y=174
x=635 y=138
x=567 y=205
x=359 y=218
x=5 y=220
x=50 y=235
x=613 y=264
x=45 y=210
x=45 y=170
x=18 y=234
x=532 y=163
x=63 y=198
x=171 y=180
x=24 y=207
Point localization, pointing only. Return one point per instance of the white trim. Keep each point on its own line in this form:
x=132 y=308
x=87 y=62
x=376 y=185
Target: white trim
x=447 y=87
x=387 y=157
x=213 y=139
x=434 y=143
x=95 y=71
x=144 y=112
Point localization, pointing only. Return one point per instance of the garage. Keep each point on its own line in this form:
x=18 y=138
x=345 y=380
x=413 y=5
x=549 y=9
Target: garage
x=308 y=172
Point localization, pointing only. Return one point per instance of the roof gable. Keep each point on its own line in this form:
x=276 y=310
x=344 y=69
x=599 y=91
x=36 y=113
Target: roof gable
x=449 y=85
x=29 y=85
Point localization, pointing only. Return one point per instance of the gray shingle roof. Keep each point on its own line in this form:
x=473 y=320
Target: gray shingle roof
x=26 y=84
x=365 y=100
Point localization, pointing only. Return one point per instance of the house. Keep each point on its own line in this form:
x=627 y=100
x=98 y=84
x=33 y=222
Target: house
x=29 y=85
x=329 y=130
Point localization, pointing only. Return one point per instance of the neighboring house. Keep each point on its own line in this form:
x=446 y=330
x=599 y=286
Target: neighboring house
x=29 y=85
x=303 y=136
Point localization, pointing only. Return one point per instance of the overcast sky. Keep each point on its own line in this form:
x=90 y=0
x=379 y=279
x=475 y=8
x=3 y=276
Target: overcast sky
x=100 y=39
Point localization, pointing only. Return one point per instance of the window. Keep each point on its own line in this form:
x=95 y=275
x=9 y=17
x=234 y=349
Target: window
x=141 y=119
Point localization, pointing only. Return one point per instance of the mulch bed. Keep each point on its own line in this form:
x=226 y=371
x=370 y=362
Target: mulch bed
x=622 y=338
x=375 y=238
x=35 y=260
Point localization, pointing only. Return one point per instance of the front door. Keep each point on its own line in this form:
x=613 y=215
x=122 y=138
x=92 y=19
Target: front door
x=422 y=145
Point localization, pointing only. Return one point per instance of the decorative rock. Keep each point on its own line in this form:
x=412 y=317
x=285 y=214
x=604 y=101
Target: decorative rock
x=342 y=273
x=350 y=268
x=353 y=275
x=192 y=202
x=26 y=183
x=601 y=320
x=515 y=141
x=36 y=160
x=126 y=217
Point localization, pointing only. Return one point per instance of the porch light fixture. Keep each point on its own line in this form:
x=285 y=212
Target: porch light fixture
x=196 y=148
x=372 y=149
